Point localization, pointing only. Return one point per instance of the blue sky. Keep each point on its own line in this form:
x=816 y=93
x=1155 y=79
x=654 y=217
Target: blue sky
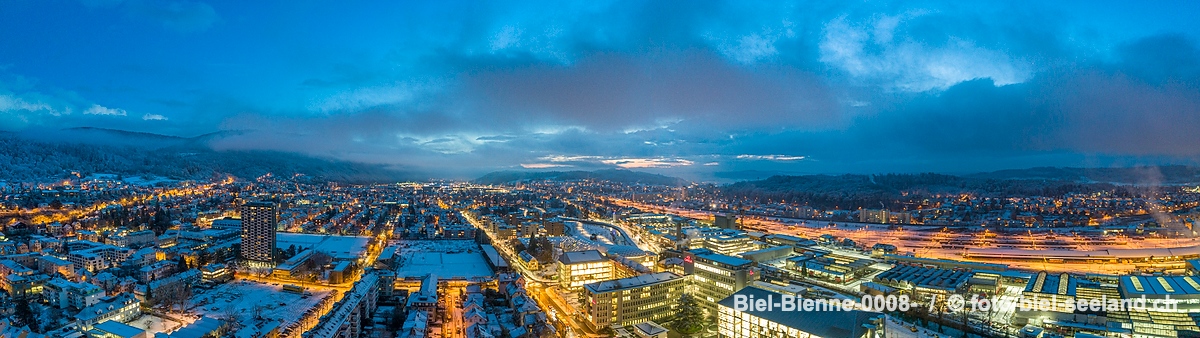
x=694 y=89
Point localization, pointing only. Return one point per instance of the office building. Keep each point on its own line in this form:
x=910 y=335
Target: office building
x=726 y=221
x=717 y=276
x=578 y=268
x=259 y=221
x=732 y=323
x=634 y=300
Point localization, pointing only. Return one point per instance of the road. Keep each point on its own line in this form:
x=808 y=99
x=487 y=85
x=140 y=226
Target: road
x=542 y=291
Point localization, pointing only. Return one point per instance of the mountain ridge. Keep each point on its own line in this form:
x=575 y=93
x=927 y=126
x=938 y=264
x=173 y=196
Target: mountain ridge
x=51 y=156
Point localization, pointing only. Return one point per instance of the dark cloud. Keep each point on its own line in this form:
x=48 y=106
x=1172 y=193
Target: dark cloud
x=701 y=87
x=613 y=92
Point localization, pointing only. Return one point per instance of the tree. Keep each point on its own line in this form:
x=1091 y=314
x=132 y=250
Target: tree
x=26 y=316
x=149 y=302
x=398 y=318
x=182 y=264
x=691 y=317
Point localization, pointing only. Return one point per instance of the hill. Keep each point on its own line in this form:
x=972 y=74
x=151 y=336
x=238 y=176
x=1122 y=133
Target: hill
x=50 y=156
x=892 y=189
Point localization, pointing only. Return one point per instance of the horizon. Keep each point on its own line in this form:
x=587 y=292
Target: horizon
x=454 y=90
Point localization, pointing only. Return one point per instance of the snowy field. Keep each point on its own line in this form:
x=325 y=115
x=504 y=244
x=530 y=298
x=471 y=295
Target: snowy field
x=340 y=247
x=154 y=324
x=606 y=236
x=242 y=297
x=896 y=329
x=445 y=258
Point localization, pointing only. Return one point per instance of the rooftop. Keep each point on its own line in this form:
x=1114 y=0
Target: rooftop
x=817 y=323
x=579 y=257
x=1174 y=286
x=118 y=329
x=631 y=282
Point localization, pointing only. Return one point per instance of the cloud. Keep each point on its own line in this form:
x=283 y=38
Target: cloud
x=372 y=97
x=631 y=163
x=711 y=86
x=96 y=109
x=770 y=157
x=886 y=49
x=9 y=103
x=618 y=92
x=543 y=165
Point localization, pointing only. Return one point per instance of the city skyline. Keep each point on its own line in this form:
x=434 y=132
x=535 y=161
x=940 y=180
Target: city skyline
x=599 y=169
x=455 y=90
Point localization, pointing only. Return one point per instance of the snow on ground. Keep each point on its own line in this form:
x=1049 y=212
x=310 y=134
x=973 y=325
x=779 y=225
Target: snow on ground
x=241 y=297
x=340 y=247
x=606 y=236
x=445 y=258
x=155 y=324
x=147 y=180
x=897 y=329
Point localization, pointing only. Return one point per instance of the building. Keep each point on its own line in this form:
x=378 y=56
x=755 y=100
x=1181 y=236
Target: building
x=530 y=262
x=725 y=221
x=259 y=222
x=555 y=227
x=155 y=271
x=67 y=294
x=51 y=265
x=189 y=277
x=750 y=323
x=458 y=231
x=121 y=308
x=730 y=243
x=1144 y=319
x=112 y=329
x=93 y=256
x=634 y=300
x=717 y=276
x=132 y=239
x=650 y=330
x=578 y=268
x=924 y=282
x=215 y=273
x=203 y=327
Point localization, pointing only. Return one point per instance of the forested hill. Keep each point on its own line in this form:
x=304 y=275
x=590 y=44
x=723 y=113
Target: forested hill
x=869 y=191
x=29 y=159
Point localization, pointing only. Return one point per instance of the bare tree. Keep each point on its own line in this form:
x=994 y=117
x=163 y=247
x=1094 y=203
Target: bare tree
x=229 y=322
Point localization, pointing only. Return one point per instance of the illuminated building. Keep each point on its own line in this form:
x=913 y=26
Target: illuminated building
x=63 y=294
x=633 y=300
x=726 y=222
x=259 y=221
x=730 y=243
x=732 y=323
x=215 y=273
x=717 y=276
x=577 y=268
x=924 y=282
x=1148 y=321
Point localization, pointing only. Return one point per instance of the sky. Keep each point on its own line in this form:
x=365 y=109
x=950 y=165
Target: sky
x=703 y=89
